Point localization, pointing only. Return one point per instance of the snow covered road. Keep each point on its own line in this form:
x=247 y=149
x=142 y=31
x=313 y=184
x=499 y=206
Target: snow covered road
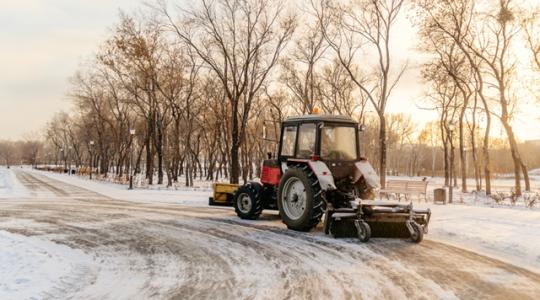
x=63 y=241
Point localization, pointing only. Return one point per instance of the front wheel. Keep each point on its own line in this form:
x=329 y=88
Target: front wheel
x=418 y=233
x=300 y=200
x=248 y=201
x=363 y=229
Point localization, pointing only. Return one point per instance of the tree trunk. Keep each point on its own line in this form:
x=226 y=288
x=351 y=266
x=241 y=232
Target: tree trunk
x=235 y=164
x=475 y=162
x=473 y=147
x=526 y=176
x=159 y=148
x=169 y=177
x=149 y=165
x=446 y=156
x=515 y=155
x=462 y=154
x=382 y=146
x=138 y=162
x=187 y=172
x=485 y=151
x=451 y=171
x=235 y=146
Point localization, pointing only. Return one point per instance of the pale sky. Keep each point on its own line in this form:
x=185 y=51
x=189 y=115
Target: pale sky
x=43 y=42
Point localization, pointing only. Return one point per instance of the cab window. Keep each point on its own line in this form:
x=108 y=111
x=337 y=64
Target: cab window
x=306 y=140
x=338 y=143
x=288 y=142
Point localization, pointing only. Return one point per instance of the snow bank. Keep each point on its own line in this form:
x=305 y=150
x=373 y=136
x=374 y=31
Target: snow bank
x=184 y=196
x=528 y=201
x=499 y=186
x=10 y=187
x=32 y=268
x=534 y=174
x=507 y=234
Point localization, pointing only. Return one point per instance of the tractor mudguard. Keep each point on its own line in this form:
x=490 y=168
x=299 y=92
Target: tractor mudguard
x=324 y=175
x=364 y=169
x=319 y=168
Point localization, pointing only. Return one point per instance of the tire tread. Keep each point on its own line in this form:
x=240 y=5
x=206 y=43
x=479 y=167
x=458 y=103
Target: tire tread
x=318 y=201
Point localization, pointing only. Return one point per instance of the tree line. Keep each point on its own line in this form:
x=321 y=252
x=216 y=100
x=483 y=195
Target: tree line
x=480 y=50
x=198 y=86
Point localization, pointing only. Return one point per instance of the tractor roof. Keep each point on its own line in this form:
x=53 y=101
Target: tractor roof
x=320 y=118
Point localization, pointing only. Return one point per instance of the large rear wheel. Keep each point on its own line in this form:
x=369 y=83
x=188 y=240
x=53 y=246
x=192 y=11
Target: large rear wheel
x=300 y=199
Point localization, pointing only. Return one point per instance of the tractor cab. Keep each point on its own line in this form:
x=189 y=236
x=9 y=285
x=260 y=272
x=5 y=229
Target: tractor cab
x=326 y=142
x=327 y=138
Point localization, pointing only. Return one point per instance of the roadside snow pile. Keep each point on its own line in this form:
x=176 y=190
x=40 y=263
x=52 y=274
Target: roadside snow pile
x=139 y=181
x=528 y=201
x=534 y=174
x=32 y=268
x=501 y=192
x=507 y=234
x=186 y=196
x=10 y=187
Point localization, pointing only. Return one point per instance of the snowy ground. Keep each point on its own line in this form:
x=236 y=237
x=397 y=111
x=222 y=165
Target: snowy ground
x=503 y=232
x=185 y=196
x=10 y=187
x=507 y=234
x=32 y=266
x=63 y=236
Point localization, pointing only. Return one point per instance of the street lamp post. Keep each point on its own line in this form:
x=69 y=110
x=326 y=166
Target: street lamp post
x=63 y=155
x=91 y=143
x=131 y=134
x=451 y=128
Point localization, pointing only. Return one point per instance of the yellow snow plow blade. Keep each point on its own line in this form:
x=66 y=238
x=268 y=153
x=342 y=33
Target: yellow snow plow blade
x=223 y=194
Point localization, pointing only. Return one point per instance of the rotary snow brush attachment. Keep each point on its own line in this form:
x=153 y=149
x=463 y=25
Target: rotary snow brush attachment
x=378 y=219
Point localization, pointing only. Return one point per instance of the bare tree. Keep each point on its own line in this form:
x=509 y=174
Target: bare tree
x=454 y=20
x=299 y=67
x=133 y=55
x=7 y=152
x=31 y=149
x=531 y=26
x=400 y=130
x=494 y=52
x=240 y=41
x=339 y=94
x=200 y=91
x=353 y=27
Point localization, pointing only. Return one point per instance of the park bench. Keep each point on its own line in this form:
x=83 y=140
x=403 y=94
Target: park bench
x=405 y=188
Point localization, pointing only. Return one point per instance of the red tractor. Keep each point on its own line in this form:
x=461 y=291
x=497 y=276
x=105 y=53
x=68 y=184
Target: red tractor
x=318 y=171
